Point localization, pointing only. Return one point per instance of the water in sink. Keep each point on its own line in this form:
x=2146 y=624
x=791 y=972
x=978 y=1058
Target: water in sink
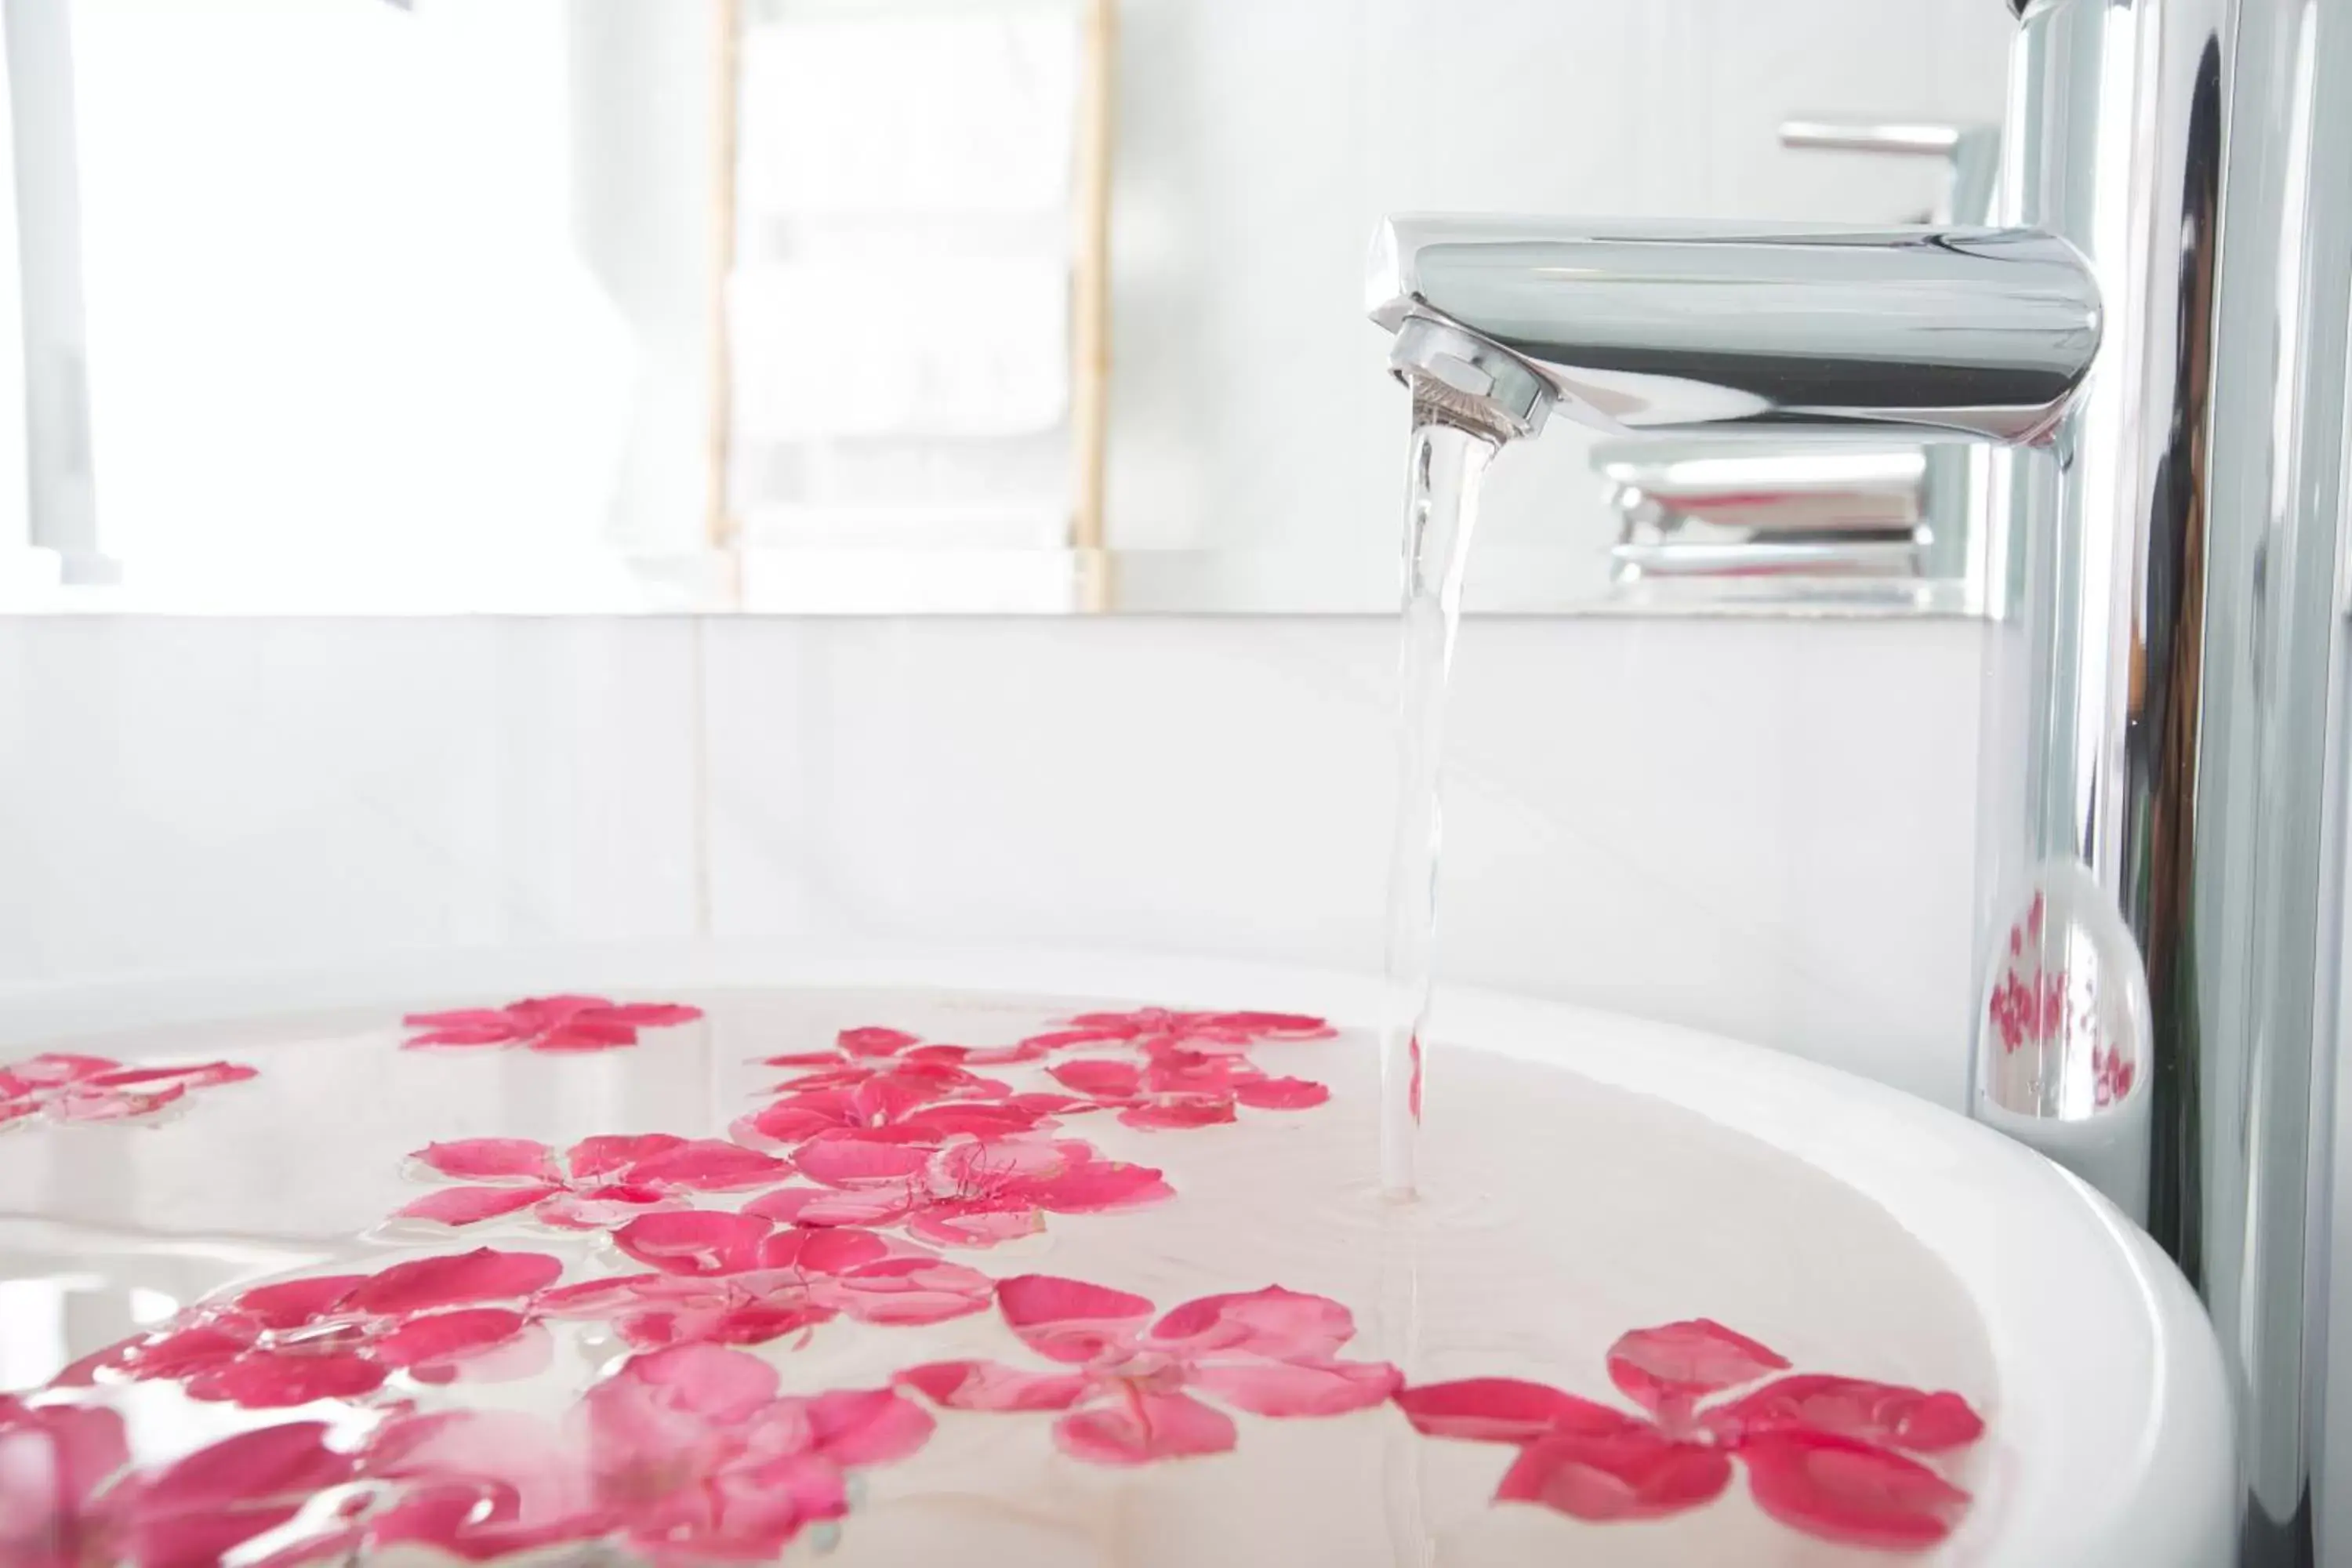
x=961 y=1278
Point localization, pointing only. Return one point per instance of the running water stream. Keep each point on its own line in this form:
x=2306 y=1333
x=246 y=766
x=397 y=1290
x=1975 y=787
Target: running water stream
x=1451 y=450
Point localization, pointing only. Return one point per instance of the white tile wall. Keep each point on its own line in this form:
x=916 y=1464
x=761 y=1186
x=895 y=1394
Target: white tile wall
x=1763 y=829
x=184 y=793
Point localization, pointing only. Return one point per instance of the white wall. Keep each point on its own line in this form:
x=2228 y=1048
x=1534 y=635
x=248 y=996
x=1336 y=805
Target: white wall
x=1760 y=828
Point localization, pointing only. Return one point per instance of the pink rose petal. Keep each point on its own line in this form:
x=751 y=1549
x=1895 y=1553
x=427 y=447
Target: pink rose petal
x=471 y=1205
x=854 y=1162
x=801 y=1060
x=651 y=1014
x=1879 y=1413
x=438 y=1337
x=83 y=1103
x=508 y=1483
x=291 y=1460
x=53 y=1460
x=268 y=1380
x=1152 y=1426
x=1842 y=1490
x=1286 y=1324
x=1099 y=1186
x=1282 y=1094
x=460 y=1018
x=759 y=1513
x=714 y=1384
x=1002 y=1056
x=986 y=1119
x=977 y=1223
x=1503 y=1410
x=1178 y=1113
x=1666 y=1369
x=1099 y=1079
x=709 y=1165
x=426 y=1283
x=1299 y=1388
x=1276 y=1025
x=491 y=1160
x=821 y=1207
x=1044 y=1107
x=1634 y=1472
x=290 y=1303
x=526 y=1355
x=610 y=1153
x=910 y=1290
x=55 y=1069
x=867 y=1426
x=460 y=1035
x=206 y=1075
x=821 y=1251
x=1069 y=1320
x=222 y=1496
x=601 y=1208
x=585 y=1035
x=593 y=1298
x=653 y=1311
x=698 y=1242
x=185 y=1351
x=990 y=1385
x=875 y=1042
x=789 y=1121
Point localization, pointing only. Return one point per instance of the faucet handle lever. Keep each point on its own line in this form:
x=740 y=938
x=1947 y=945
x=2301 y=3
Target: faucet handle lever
x=1972 y=151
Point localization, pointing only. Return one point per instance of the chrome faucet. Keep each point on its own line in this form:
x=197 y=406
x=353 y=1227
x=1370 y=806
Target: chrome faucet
x=2157 y=337
x=1784 y=330
x=1890 y=521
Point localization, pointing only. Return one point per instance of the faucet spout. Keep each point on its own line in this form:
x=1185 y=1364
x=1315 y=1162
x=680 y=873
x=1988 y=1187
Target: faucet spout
x=1632 y=326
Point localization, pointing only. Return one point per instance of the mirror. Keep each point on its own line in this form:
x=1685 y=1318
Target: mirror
x=844 y=306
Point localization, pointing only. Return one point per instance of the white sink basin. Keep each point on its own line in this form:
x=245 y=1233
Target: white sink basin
x=2112 y=1442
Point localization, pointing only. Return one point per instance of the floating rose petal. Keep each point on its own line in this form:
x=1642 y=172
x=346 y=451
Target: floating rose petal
x=1843 y=1490
x=598 y=1183
x=689 y=1454
x=1880 y=1413
x=1666 y=1370
x=1819 y=1451
x=548 y=1024
x=340 y=1336
x=970 y=1192
x=865 y=1055
x=738 y=1278
x=1633 y=1472
x=1184 y=1087
x=69 y=1495
x=196 y=1510
x=1129 y=1400
x=1154 y=1029
x=69 y=1088
x=52 y=1461
x=891 y=1107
